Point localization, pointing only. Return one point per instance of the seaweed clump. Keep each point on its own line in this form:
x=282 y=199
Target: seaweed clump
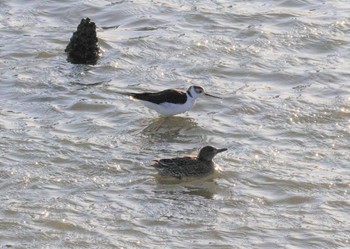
x=83 y=46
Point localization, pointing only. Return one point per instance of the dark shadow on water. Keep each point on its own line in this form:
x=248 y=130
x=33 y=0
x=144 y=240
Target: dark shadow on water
x=84 y=76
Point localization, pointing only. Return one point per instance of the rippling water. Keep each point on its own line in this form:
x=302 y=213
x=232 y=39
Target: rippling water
x=75 y=155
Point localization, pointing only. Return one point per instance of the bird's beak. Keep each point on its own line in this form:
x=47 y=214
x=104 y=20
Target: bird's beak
x=221 y=150
x=207 y=94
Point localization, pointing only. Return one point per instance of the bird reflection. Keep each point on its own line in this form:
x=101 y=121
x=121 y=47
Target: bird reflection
x=168 y=129
x=205 y=187
x=206 y=193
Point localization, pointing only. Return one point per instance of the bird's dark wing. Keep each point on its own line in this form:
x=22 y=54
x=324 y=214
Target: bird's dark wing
x=178 y=167
x=170 y=95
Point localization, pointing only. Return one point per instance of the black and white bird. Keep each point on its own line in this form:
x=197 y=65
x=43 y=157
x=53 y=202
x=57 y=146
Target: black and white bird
x=189 y=166
x=171 y=101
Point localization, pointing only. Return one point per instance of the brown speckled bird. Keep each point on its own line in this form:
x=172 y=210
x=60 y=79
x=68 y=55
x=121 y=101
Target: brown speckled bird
x=189 y=166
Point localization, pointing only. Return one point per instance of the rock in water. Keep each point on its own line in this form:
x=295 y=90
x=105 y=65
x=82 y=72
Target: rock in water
x=83 y=47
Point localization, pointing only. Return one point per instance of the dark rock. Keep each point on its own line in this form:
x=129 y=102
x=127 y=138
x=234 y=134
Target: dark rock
x=83 y=47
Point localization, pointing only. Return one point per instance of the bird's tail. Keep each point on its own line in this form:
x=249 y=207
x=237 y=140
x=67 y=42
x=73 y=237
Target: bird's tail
x=129 y=94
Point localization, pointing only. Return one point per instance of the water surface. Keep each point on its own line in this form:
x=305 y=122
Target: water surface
x=75 y=155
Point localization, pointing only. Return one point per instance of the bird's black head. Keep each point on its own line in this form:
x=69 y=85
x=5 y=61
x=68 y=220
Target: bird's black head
x=207 y=153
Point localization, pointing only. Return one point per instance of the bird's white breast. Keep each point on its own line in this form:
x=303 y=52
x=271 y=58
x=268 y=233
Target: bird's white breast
x=169 y=109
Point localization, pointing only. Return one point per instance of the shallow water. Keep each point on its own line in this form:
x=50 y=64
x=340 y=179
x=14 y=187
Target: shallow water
x=75 y=155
